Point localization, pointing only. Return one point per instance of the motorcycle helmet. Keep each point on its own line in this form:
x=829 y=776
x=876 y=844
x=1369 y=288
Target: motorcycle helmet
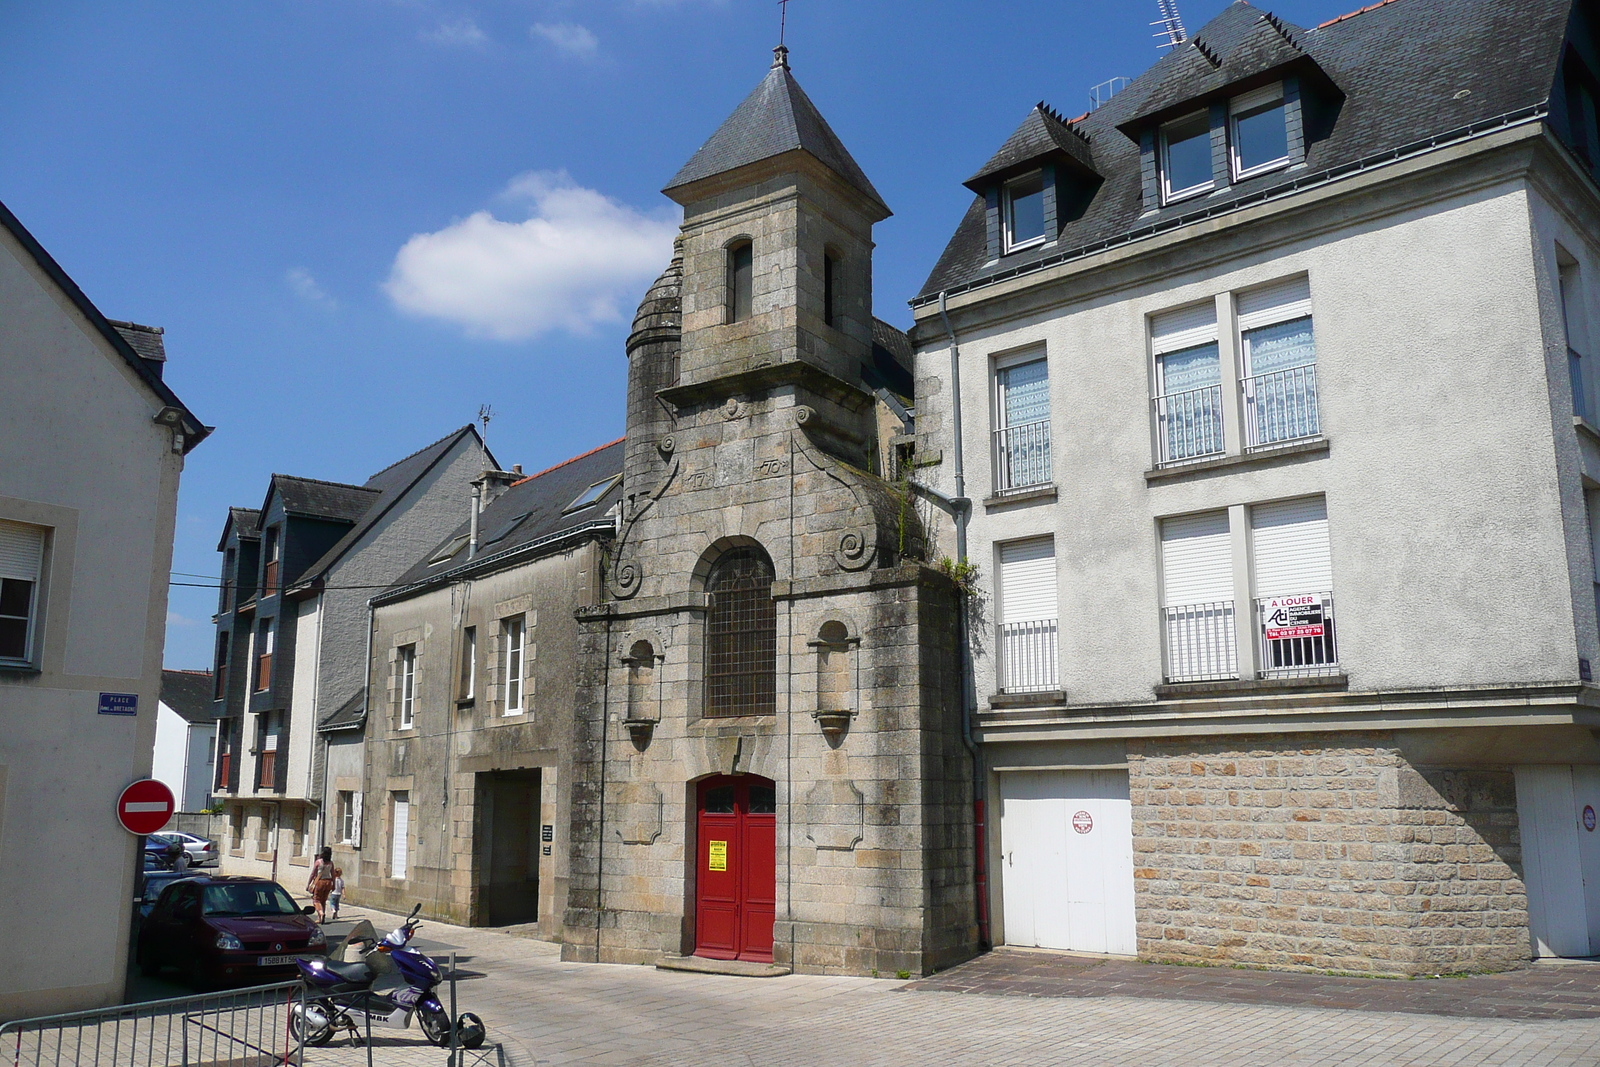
x=470 y=1032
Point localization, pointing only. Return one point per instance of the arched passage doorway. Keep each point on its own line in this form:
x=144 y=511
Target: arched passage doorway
x=736 y=857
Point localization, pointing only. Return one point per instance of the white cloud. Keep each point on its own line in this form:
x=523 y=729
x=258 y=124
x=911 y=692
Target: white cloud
x=571 y=38
x=174 y=619
x=461 y=33
x=577 y=261
x=303 y=285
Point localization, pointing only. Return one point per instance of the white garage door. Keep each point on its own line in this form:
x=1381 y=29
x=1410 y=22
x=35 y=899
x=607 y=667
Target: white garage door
x=1066 y=840
x=1556 y=808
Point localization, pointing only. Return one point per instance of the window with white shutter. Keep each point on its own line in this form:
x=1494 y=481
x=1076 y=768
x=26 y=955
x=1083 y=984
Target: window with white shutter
x=1197 y=598
x=1029 y=623
x=21 y=565
x=1188 y=379
x=1280 y=363
x=1294 y=586
x=1022 y=423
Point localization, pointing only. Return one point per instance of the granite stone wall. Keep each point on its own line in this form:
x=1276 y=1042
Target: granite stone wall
x=1324 y=852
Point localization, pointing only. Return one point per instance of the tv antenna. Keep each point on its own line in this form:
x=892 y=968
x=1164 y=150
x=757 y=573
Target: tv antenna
x=1172 y=33
x=485 y=413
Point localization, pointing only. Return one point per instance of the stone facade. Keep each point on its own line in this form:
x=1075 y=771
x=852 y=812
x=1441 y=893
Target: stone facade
x=760 y=436
x=1330 y=852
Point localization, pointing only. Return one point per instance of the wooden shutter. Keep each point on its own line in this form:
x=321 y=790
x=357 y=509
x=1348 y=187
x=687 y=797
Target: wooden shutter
x=1196 y=559
x=1028 y=580
x=21 y=551
x=1188 y=327
x=1290 y=543
x=355 y=819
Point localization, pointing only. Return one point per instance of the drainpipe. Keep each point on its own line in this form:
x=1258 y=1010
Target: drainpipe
x=962 y=511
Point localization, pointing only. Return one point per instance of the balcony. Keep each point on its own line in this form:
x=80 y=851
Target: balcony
x=1281 y=407
x=1189 y=424
x=1201 y=642
x=1030 y=656
x=1297 y=636
x=1022 y=457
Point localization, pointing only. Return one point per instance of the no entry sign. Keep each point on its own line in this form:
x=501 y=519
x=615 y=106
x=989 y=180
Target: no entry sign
x=145 y=806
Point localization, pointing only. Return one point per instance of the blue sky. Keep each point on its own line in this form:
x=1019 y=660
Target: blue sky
x=358 y=220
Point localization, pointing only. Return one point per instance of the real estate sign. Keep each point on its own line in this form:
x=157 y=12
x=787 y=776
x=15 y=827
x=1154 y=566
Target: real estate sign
x=1286 y=617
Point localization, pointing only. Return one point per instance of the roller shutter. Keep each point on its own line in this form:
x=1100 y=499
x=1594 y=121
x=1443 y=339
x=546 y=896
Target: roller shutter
x=1196 y=559
x=21 y=551
x=1290 y=544
x=1028 y=580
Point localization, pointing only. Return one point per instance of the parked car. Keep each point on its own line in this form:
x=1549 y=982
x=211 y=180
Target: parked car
x=155 y=877
x=224 y=930
x=202 y=853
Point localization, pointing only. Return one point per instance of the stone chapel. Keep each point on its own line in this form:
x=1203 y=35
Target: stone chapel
x=769 y=760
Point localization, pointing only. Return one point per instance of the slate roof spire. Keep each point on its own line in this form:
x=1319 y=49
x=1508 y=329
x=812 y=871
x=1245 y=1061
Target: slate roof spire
x=776 y=118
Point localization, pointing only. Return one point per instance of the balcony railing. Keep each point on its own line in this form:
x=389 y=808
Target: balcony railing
x=1201 y=642
x=1281 y=406
x=1297 y=636
x=1022 y=457
x=1189 y=424
x=1030 y=656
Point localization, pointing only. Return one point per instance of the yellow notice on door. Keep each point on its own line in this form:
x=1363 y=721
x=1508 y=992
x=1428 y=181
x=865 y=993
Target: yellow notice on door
x=717 y=859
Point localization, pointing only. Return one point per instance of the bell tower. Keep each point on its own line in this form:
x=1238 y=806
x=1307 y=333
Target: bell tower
x=777 y=259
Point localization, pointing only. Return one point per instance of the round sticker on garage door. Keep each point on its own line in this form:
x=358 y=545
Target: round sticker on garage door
x=1082 y=822
x=1588 y=817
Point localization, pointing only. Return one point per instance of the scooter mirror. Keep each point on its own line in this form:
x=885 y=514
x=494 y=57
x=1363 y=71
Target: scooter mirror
x=414 y=911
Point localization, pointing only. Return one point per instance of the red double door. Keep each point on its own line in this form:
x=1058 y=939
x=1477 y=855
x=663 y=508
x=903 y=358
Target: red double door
x=736 y=881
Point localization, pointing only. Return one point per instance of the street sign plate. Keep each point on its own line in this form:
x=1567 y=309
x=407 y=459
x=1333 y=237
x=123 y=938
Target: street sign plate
x=119 y=703
x=145 y=806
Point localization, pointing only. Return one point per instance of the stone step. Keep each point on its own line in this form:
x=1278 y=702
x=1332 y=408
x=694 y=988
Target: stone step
x=739 y=968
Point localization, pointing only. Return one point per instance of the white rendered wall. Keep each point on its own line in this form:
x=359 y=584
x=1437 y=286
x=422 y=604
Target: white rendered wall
x=80 y=453
x=1449 y=543
x=171 y=750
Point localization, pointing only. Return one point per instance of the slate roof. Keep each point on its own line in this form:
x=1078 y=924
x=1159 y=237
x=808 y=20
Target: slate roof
x=146 y=342
x=189 y=694
x=531 y=511
x=891 y=360
x=1400 y=67
x=347 y=716
x=194 y=431
x=776 y=118
x=248 y=522
x=1043 y=133
x=322 y=500
x=386 y=488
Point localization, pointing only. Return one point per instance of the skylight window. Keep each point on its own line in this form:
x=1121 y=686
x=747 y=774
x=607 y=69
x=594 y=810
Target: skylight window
x=592 y=494
x=1186 y=157
x=505 y=528
x=448 y=550
x=1258 y=132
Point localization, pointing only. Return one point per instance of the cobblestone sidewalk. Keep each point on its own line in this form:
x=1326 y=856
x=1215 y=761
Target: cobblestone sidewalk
x=549 y=1013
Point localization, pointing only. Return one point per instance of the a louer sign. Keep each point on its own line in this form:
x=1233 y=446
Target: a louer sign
x=1286 y=617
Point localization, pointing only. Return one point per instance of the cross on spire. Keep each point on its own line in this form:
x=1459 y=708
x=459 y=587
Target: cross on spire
x=783 y=20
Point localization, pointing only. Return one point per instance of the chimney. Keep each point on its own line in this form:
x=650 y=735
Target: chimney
x=486 y=489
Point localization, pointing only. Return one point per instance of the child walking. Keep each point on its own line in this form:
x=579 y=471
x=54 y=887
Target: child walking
x=338 y=891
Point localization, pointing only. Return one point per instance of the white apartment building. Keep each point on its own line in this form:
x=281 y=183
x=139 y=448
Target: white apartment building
x=1277 y=396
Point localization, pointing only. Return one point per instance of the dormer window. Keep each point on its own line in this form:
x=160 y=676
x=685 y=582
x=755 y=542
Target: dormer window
x=1186 y=157
x=1024 y=212
x=1258 y=132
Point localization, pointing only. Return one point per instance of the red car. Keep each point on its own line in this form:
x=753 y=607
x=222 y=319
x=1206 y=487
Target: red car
x=227 y=931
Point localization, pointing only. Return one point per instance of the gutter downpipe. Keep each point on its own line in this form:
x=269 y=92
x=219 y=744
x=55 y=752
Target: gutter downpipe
x=962 y=511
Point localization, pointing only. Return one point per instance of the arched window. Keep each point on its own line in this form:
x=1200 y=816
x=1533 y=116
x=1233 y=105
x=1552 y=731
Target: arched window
x=741 y=636
x=741 y=271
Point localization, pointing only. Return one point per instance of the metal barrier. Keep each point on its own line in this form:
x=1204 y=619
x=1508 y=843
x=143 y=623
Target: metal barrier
x=1030 y=656
x=1189 y=424
x=1022 y=457
x=241 y=1028
x=1202 y=644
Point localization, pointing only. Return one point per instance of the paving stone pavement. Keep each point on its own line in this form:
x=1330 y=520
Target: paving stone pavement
x=548 y=1013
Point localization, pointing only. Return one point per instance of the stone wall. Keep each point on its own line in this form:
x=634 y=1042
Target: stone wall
x=1325 y=852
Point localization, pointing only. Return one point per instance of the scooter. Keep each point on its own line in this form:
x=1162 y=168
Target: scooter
x=340 y=995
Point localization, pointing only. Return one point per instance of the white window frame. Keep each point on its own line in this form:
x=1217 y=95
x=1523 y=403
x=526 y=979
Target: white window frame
x=1008 y=217
x=1170 y=195
x=408 y=686
x=347 y=811
x=28 y=563
x=1267 y=95
x=513 y=653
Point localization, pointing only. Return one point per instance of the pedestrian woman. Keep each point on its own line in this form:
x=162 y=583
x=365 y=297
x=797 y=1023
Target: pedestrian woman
x=320 y=884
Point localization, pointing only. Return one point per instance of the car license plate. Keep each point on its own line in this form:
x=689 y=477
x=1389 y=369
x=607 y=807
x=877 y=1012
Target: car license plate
x=275 y=961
